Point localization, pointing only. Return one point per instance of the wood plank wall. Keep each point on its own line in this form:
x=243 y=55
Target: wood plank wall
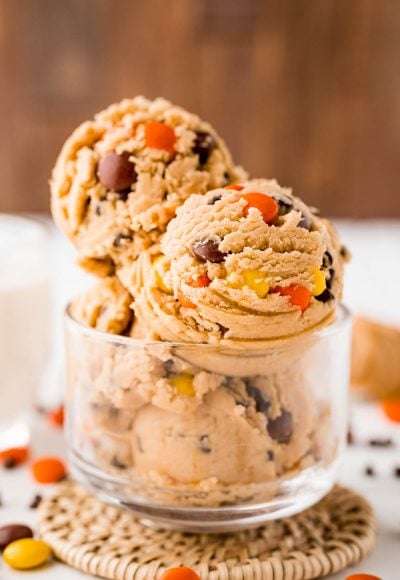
x=304 y=90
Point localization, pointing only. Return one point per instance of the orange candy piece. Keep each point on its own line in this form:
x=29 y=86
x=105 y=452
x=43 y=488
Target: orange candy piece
x=200 y=282
x=159 y=136
x=16 y=455
x=184 y=301
x=48 y=470
x=298 y=295
x=363 y=577
x=234 y=186
x=265 y=204
x=56 y=416
x=391 y=408
x=181 y=573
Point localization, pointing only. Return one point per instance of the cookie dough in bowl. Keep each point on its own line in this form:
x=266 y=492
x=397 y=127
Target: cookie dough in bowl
x=120 y=177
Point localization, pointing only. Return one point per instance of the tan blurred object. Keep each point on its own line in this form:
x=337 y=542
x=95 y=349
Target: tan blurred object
x=375 y=369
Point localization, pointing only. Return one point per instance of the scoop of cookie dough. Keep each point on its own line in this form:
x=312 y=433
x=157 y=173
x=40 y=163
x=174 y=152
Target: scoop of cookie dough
x=244 y=263
x=106 y=307
x=119 y=178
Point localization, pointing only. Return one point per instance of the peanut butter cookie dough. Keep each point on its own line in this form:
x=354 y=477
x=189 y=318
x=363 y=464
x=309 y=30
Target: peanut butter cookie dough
x=247 y=262
x=120 y=178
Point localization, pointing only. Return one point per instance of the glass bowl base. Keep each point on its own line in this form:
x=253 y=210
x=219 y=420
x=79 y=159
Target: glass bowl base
x=292 y=496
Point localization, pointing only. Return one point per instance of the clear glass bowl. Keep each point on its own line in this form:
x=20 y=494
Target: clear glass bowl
x=207 y=438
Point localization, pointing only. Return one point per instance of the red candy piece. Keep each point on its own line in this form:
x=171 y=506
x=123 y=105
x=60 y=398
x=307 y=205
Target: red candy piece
x=298 y=295
x=234 y=186
x=265 y=204
x=391 y=408
x=200 y=282
x=56 y=416
x=159 y=136
x=181 y=573
x=49 y=470
x=16 y=455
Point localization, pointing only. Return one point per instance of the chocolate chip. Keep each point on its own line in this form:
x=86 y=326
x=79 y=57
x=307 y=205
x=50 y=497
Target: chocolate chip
x=36 y=501
x=305 y=222
x=97 y=210
x=327 y=260
x=227 y=178
x=207 y=251
x=344 y=252
x=13 y=532
x=169 y=367
x=270 y=455
x=330 y=279
x=281 y=428
x=214 y=199
x=204 y=444
x=369 y=471
x=261 y=402
x=118 y=241
x=285 y=206
x=396 y=472
x=115 y=462
x=326 y=296
x=10 y=463
x=204 y=144
x=116 y=172
x=380 y=442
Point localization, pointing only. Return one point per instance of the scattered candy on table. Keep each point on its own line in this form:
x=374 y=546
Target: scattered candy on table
x=56 y=416
x=391 y=408
x=12 y=532
x=49 y=470
x=14 y=456
x=363 y=577
x=181 y=573
x=26 y=554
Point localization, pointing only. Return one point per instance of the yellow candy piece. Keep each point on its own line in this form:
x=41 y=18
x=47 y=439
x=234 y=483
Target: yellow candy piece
x=183 y=385
x=160 y=267
x=319 y=283
x=26 y=553
x=255 y=280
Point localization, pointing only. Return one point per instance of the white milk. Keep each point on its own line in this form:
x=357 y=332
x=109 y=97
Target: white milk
x=24 y=312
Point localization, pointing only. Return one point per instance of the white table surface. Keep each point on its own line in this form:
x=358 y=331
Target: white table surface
x=376 y=250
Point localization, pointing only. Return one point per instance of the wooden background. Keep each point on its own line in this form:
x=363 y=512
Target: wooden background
x=304 y=90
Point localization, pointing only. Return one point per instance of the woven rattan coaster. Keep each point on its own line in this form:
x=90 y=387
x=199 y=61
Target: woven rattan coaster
x=109 y=542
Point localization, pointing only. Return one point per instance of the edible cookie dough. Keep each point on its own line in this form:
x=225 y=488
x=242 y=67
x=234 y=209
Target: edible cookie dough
x=156 y=418
x=245 y=262
x=119 y=178
x=106 y=307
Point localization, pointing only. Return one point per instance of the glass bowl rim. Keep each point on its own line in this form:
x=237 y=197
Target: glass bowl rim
x=342 y=317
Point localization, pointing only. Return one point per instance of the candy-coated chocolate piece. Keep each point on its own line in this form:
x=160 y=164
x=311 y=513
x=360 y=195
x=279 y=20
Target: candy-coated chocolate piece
x=26 y=553
x=116 y=172
x=234 y=186
x=159 y=136
x=265 y=204
x=160 y=267
x=16 y=455
x=255 y=280
x=49 y=470
x=298 y=295
x=208 y=251
x=13 y=532
x=181 y=573
x=391 y=408
x=183 y=384
x=200 y=282
x=319 y=283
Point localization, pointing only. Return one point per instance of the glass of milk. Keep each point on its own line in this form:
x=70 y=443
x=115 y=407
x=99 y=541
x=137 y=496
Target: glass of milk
x=24 y=317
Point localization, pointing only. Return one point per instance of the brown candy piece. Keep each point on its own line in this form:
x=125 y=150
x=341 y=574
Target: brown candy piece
x=204 y=144
x=280 y=429
x=116 y=172
x=13 y=532
x=207 y=251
